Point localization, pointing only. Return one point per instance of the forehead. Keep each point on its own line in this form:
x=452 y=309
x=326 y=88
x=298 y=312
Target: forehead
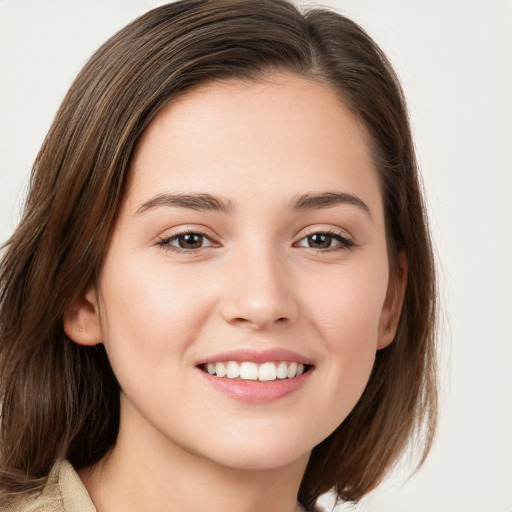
x=285 y=132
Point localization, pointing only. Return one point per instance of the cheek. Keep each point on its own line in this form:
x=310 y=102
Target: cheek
x=148 y=313
x=347 y=305
x=349 y=323
x=347 y=318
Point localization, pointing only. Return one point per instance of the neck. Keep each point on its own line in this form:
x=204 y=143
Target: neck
x=146 y=472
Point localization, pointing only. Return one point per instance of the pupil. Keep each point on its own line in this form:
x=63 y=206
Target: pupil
x=191 y=241
x=320 y=241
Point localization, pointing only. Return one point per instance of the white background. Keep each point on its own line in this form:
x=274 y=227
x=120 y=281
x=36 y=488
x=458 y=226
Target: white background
x=455 y=60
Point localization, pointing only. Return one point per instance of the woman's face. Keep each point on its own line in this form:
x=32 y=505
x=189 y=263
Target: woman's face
x=251 y=240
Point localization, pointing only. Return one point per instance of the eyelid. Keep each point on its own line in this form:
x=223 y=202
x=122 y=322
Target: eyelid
x=325 y=228
x=345 y=239
x=164 y=240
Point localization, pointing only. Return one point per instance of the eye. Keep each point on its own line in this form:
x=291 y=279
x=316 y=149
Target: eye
x=325 y=240
x=189 y=241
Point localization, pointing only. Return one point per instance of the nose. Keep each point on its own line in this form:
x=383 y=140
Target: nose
x=259 y=292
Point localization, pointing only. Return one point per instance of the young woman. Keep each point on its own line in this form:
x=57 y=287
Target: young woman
x=221 y=295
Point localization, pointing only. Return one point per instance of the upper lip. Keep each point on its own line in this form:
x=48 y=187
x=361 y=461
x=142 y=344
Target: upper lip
x=257 y=356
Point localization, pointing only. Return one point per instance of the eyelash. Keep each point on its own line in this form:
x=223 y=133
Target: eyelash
x=344 y=242
x=166 y=242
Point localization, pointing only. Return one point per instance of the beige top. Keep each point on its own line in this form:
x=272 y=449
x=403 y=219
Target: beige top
x=64 y=492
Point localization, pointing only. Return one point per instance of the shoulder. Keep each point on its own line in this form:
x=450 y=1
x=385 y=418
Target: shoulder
x=63 y=492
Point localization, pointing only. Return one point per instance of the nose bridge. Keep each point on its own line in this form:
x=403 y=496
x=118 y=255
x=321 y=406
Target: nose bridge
x=260 y=291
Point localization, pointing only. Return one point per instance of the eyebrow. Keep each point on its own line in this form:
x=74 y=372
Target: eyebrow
x=196 y=201
x=208 y=202
x=326 y=200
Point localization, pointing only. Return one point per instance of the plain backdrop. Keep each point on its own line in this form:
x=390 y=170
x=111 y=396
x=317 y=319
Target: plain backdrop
x=454 y=58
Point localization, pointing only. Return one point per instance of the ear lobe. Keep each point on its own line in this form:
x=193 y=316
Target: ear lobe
x=392 y=308
x=82 y=322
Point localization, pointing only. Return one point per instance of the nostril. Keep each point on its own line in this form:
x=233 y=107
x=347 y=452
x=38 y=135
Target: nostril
x=260 y=323
x=240 y=320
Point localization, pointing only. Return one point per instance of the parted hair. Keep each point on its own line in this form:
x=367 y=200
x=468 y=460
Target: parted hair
x=60 y=399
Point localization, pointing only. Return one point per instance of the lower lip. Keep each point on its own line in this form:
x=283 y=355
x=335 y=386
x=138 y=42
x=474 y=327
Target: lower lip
x=257 y=392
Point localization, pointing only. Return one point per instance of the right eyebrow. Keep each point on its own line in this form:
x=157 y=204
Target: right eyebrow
x=327 y=200
x=196 y=201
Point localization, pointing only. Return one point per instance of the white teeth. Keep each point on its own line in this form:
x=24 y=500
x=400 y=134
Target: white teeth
x=220 y=369
x=282 y=370
x=292 y=370
x=267 y=371
x=232 y=370
x=248 y=370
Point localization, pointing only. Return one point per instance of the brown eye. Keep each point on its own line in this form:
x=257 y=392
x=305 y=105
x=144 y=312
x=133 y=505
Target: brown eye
x=190 y=241
x=320 y=241
x=324 y=241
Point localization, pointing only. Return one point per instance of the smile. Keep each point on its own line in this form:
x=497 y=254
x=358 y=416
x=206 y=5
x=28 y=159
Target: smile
x=251 y=371
x=257 y=376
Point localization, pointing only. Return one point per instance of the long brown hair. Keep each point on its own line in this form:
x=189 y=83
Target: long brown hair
x=60 y=399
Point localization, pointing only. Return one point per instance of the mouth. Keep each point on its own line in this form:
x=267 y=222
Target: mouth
x=267 y=371
x=257 y=376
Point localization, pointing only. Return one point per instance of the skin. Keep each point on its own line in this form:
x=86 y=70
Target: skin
x=259 y=281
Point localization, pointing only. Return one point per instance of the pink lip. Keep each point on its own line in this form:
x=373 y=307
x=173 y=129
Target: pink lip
x=257 y=356
x=257 y=392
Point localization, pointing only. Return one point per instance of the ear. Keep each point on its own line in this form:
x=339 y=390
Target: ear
x=392 y=308
x=81 y=321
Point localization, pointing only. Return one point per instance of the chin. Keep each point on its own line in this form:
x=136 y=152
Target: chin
x=262 y=460
x=259 y=453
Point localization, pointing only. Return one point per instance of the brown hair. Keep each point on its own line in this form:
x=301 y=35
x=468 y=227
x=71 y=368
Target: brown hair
x=60 y=399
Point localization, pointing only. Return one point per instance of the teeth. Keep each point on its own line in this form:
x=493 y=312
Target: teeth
x=282 y=370
x=251 y=371
x=220 y=369
x=267 y=371
x=233 y=370
x=248 y=371
x=292 y=370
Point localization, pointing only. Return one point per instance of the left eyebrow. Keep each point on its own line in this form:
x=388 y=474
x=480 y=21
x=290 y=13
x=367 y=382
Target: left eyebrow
x=327 y=200
x=204 y=202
